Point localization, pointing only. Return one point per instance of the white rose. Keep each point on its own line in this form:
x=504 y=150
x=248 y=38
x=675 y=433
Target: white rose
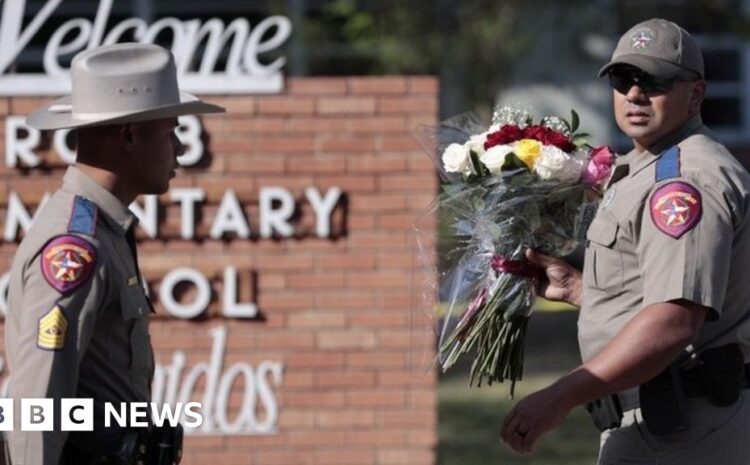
x=476 y=143
x=494 y=158
x=555 y=164
x=456 y=159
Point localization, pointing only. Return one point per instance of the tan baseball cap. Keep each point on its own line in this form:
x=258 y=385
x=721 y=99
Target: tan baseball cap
x=658 y=47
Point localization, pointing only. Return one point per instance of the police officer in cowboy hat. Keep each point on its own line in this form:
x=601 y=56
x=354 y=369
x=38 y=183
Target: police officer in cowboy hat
x=664 y=327
x=77 y=323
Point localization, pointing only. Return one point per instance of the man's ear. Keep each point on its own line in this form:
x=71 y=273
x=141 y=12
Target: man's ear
x=697 y=94
x=125 y=134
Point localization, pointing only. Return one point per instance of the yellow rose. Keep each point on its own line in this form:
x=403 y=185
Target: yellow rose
x=528 y=150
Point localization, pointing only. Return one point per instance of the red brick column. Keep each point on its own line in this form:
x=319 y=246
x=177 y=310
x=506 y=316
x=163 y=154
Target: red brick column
x=339 y=313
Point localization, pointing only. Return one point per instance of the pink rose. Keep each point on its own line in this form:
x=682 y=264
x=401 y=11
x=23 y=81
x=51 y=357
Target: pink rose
x=599 y=168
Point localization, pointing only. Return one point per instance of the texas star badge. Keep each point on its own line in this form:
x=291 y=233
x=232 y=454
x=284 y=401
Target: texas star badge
x=53 y=327
x=676 y=208
x=67 y=262
x=641 y=38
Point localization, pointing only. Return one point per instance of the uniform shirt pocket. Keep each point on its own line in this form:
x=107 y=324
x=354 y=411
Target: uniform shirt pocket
x=603 y=264
x=135 y=312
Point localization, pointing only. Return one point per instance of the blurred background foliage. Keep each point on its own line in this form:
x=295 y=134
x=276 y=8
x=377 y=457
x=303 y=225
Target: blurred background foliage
x=474 y=46
x=470 y=45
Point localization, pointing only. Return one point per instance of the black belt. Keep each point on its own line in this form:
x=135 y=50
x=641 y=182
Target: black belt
x=692 y=386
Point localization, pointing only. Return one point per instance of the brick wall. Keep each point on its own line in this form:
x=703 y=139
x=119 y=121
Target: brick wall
x=339 y=313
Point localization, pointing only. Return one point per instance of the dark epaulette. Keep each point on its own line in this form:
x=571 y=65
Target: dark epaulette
x=83 y=217
x=668 y=165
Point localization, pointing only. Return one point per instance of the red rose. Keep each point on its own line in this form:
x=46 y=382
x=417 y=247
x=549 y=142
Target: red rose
x=559 y=140
x=536 y=132
x=507 y=134
x=548 y=136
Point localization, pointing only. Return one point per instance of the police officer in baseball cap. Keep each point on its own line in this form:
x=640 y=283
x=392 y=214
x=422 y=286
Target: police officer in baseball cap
x=77 y=322
x=664 y=326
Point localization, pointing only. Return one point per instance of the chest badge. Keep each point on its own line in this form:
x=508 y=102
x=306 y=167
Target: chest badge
x=676 y=208
x=67 y=262
x=641 y=38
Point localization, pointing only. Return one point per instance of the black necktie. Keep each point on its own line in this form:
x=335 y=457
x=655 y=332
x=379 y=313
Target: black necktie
x=130 y=237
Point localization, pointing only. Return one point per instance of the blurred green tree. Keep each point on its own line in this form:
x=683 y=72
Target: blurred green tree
x=469 y=44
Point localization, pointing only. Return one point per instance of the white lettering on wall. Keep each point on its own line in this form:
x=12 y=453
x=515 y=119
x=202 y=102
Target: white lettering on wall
x=244 y=73
x=175 y=383
x=188 y=197
x=232 y=308
x=230 y=218
x=276 y=208
x=202 y=297
x=148 y=215
x=17 y=217
x=218 y=418
x=60 y=143
x=189 y=132
x=12 y=39
x=276 y=218
x=323 y=207
x=19 y=148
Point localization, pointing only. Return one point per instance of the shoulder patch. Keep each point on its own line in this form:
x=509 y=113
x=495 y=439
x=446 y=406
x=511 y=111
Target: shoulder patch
x=83 y=217
x=676 y=208
x=53 y=327
x=67 y=262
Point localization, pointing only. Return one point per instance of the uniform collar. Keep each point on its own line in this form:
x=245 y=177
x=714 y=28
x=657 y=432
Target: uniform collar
x=639 y=161
x=620 y=169
x=78 y=183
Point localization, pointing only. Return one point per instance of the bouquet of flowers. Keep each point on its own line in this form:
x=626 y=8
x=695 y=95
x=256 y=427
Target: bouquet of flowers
x=514 y=186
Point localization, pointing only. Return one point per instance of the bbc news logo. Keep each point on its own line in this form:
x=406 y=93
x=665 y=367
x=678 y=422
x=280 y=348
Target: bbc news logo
x=38 y=414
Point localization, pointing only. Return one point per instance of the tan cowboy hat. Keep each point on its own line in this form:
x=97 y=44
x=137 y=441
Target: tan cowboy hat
x=120 y=83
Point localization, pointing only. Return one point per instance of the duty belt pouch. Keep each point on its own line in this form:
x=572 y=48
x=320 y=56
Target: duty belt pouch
x=721 y=372
x=606 y=413
x=129 y=449
x=165 y=445
x=663 y=403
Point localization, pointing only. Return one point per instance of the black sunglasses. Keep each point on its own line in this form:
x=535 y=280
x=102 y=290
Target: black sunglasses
x=623 y=80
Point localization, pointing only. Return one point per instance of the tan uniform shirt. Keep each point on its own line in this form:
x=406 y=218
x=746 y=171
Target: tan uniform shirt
x=703 y=257
x=77 y=323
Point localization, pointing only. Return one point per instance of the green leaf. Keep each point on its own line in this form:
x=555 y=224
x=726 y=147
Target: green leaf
x=580 y=140
x=575 y=121
x=478 y=166
x=513 y=163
